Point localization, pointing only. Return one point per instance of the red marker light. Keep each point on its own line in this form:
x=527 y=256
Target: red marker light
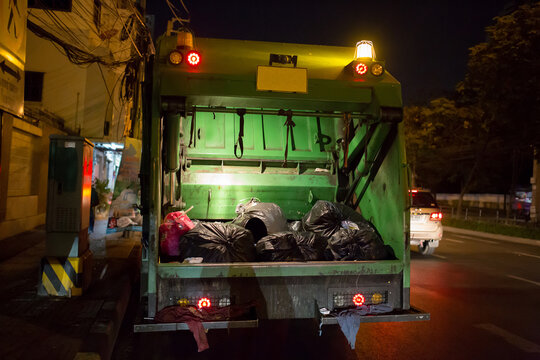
x=204 y=302
x=360 y=68
x=436 y=216
x=193 y=58
x=358 y=299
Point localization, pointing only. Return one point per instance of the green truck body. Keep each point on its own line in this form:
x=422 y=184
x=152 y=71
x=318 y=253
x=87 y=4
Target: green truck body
x=346 y=145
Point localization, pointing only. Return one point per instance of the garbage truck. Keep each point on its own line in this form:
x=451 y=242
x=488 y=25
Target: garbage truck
x=288 y=124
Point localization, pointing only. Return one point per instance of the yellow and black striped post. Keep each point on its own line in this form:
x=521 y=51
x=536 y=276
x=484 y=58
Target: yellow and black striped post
x=65 y=276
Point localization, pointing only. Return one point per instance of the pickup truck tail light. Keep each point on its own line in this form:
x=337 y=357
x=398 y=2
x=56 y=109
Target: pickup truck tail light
x=435 y=216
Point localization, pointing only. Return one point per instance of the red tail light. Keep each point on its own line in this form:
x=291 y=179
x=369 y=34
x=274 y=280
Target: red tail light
x=358 y=299
x=360 y=68
x=204 y=302
x=193 y=58
x=436 y=216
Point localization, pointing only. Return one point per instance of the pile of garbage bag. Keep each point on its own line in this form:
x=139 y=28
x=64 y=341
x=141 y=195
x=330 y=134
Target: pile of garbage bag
x=350 y=236
x=260 y=218
x=260 y=232
x=218 y=242
x=291 y=246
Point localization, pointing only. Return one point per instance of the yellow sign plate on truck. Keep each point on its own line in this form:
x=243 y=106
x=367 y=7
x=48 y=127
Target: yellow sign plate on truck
x=282 y=79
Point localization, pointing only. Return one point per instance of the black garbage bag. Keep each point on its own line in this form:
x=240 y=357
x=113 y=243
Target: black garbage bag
x=311 y=245
x=280 y=246
x=324 y=219
x=295 y=226
x=363 y=243
x=218 y=242
x=351 y=215
x=260 y=218
x=291 y=246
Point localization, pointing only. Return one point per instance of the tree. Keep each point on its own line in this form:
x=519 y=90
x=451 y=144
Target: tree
x=445 y=141
x=468 y=139
x=503 y=77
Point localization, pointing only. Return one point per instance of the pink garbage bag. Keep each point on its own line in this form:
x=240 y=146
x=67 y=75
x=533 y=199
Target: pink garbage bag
x=175 y=225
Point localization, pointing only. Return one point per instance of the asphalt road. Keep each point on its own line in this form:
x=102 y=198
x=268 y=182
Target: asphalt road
x=483 y=295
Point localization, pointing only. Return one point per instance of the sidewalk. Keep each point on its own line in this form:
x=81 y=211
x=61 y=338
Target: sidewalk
x=82 y=327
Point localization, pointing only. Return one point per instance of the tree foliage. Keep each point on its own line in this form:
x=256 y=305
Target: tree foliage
x=443 y=140
x=503 y=77
x=469 y=140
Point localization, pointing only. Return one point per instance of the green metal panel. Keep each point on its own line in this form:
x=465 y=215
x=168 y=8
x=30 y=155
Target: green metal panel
x=273 y=134
x=384 y=203
x=264 y=137
x=215 y=194
x=201 y=271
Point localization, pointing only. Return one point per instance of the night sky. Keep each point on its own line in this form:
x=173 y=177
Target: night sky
x=424 y=43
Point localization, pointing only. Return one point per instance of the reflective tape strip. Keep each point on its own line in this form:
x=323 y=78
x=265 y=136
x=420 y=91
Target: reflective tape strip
x=71 y=270
x=61 y=275
x=49 y=287
x=53 y=278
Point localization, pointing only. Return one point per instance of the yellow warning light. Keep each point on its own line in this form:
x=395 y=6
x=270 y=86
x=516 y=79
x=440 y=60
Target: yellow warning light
x=175 y=57
x=377 y=69
x=364 y=49
x=183 y=302
x=376 y=298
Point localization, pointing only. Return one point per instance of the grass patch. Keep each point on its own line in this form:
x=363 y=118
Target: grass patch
x=528 y=232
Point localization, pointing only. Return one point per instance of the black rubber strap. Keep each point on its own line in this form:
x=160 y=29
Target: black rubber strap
x=192 y=140
x=346 y=121
x=289 y=123
x=240 y=141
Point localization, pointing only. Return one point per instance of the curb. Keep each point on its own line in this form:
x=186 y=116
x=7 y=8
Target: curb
x=507 y=238
x=100 y=341
x=102 y=336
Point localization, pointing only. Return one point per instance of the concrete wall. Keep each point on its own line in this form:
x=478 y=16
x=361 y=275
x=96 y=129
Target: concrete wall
x=23 y=174
x=84 y=96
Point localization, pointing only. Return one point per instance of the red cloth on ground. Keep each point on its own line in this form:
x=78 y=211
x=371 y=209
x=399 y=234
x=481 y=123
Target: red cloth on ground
x=194 y=318
x=189 y=315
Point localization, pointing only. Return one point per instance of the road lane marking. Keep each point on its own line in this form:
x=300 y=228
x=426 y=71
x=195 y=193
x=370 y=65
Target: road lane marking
x=522 y=279
x=485 y=241
x=510 y=338
x=505 y=238
x=477 y=239
x=454 y=240
x=525 y=254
